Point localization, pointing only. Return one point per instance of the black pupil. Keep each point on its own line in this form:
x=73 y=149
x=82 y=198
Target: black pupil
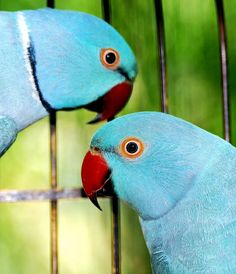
x=132 y=147
x=110 y=58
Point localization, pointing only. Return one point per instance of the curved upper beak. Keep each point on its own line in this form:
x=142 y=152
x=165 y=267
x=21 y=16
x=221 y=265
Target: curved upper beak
x=95 y=174
x=112 y=102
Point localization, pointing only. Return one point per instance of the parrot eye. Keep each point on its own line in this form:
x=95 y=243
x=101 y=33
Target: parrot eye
x=132 y=147
x=110 y=58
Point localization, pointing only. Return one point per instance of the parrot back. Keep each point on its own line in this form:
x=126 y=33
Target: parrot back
x=19 y=97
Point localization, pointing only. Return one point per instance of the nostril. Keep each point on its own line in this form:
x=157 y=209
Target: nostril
x=95 y=150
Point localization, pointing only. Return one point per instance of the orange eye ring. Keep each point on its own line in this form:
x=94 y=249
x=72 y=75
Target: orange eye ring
x=110 y=58
x=132 y=148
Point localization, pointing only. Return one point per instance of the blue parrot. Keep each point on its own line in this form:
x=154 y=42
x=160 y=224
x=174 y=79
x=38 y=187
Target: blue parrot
x=180 y=179
x=59 y=60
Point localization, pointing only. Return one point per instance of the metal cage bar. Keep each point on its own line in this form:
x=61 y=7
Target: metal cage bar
x=115 y=204
x=12 y=196
x=160 y=28
x=106 y=9
x=53 y=208
x=53 y=184
x=224 y=69
x=51 y=3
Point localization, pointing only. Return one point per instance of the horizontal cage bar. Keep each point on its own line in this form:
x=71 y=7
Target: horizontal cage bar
x=13 y=196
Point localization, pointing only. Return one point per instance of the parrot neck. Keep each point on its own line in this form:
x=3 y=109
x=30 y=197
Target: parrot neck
x=201 y=222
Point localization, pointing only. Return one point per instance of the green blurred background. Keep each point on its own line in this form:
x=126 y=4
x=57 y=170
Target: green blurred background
x=194 y=94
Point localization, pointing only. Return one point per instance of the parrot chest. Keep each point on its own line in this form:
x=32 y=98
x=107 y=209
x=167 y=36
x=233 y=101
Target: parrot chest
x=205 y=246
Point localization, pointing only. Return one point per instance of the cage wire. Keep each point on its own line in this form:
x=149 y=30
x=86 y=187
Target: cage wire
x=54 y=193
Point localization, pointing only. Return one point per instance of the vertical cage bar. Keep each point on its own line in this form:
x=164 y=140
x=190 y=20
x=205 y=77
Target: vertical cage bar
x=50 y=3
x=115 y=204
x=53 y=208
x=162 y=54
x=106 y=10
x=224 y=68
x=54 y=213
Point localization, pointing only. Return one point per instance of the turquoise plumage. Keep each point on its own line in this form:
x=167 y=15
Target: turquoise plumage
x=180 y=179
x=52 y=60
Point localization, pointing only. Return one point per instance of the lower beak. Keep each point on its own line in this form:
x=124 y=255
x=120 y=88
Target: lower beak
x=95 y=174
x=111 y=103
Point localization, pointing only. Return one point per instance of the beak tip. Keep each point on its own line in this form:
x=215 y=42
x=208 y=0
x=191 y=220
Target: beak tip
x=96 y=119
x=93 y=199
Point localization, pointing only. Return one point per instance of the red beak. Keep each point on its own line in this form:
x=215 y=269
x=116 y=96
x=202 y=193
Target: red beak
x=111 y=103
x=95 y=173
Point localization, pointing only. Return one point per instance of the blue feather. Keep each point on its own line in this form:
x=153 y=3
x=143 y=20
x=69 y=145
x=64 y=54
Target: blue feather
x=50 y=60
x=183 y=187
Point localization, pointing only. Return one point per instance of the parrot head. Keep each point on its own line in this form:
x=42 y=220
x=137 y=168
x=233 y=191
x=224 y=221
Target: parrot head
x=151 y=160
x=81 y=62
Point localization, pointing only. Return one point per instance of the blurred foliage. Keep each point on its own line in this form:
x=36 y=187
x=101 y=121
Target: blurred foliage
x=194 y=94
